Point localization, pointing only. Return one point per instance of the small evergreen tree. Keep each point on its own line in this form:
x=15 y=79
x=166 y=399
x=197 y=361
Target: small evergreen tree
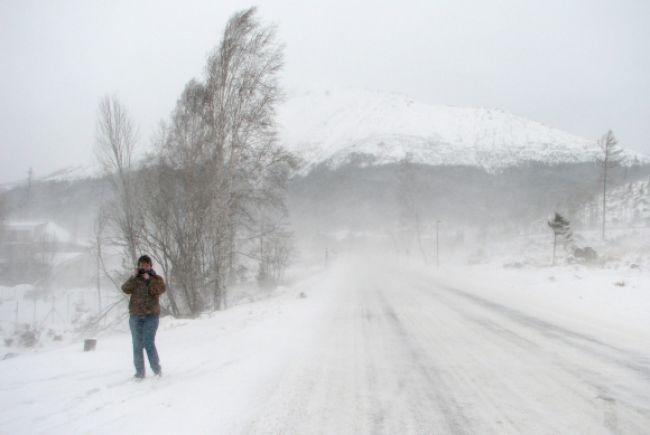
x=561 y=227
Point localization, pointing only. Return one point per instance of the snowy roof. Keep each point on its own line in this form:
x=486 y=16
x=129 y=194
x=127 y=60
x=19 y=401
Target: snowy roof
x=40 y=228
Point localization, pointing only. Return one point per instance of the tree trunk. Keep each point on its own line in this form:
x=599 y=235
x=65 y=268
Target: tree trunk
x=604 y=198
x=554 y=246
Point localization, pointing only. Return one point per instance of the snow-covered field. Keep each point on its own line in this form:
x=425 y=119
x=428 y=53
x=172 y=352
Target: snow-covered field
x=377 y=345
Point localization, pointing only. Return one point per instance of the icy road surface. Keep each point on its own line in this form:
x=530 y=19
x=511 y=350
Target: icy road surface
x=373 y=348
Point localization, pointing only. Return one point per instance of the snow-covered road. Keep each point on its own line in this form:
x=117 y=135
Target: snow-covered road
x=373 y=348
x=402 y=354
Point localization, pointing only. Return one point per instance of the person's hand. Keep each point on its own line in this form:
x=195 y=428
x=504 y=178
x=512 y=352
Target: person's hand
x=145 y=276
x=134 y=273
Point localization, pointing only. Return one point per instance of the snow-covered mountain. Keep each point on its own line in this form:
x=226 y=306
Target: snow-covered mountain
x=373 y=128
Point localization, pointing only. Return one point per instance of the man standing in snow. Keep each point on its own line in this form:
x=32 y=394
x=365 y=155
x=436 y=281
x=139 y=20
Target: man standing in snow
x=145 y=287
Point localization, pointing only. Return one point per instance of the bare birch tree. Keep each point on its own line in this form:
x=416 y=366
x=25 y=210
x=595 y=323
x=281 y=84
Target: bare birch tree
x=243 y=91
x=217 y=164
x=115 y=144
x=408 y=199
x=3 y=217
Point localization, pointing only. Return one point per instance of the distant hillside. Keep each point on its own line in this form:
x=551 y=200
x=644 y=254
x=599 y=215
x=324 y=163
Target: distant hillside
x=374 y=196
x=385 y=195
x=67 y=174
x=69 y=203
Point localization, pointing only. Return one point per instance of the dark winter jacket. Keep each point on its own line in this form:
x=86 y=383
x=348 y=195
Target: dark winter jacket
x=144 y=293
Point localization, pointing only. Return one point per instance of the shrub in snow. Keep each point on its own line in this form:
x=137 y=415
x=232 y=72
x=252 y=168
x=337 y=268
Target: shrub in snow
x=561 y=228
x=477 y=257
x=585 y=255
x=514 y=265
x=28 y=337
x=54 y=335
x=87 y=322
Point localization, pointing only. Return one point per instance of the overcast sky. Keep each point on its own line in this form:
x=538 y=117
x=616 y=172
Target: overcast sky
x=579 y=65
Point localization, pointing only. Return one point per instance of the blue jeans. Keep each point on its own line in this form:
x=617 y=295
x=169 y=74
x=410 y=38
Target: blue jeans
x=143 y=333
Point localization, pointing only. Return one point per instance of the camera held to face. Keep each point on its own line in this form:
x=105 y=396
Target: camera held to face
x=141 y=272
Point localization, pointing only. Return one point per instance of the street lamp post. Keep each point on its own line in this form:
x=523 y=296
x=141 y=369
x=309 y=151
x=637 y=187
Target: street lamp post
x=437 y=244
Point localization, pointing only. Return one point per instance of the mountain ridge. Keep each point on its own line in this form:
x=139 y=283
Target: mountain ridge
x=334 y=128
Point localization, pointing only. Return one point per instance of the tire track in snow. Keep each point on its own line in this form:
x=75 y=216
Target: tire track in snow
x=624 y=407
x=392 y=355
x=435 y=387
x=584 y=342
x=360 y=373
x=440 y=334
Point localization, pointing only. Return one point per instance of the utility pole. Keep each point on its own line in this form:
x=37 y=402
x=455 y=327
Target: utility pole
x=437 y=244
x=327 y=256
x=99 y=279
x=604 y=197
